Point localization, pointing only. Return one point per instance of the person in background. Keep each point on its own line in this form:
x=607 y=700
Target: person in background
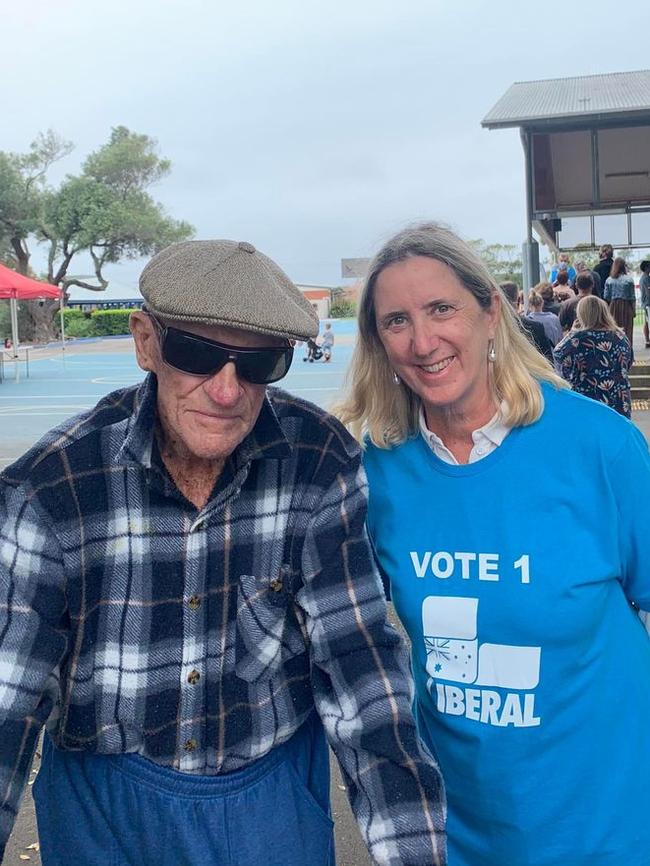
x=548 y=320
x=562 y=288
x=551 y=303
x=189 y=600
x=605 y=262
x=327 y=342
x=563 y=264
x=534 y=330
x=312 y=351
x=596 y=356
x=531 y=664
x=644 y=286
x=583 y=268
x=620 y=295
x=567 y=314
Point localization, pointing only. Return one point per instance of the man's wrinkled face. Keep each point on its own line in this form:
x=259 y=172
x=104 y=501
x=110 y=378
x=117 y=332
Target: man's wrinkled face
x=204 y=417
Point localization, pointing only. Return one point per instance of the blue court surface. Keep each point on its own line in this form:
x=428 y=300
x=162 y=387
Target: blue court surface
x=63 y=384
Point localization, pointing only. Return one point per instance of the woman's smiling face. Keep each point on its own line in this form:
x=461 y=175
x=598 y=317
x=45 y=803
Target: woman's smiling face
x=436 y=335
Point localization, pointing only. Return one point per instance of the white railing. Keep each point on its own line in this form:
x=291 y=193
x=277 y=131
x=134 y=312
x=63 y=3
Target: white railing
x=16 y=357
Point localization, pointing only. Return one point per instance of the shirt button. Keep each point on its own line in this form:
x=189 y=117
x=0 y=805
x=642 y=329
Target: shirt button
x=194 y=602
x=190 y=745
x=193 y=677
x=276 y=584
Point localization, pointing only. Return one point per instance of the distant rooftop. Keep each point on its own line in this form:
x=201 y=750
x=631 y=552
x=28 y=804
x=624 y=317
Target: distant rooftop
x=619 y=95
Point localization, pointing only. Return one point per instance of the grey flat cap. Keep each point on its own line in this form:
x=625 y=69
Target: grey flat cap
x=226 y=283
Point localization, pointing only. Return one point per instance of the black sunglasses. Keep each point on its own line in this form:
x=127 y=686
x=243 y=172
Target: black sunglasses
x=199 y=356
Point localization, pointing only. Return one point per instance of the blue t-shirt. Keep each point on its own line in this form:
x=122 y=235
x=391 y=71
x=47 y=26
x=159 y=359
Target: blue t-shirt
x=571 y=273
x=513 y=577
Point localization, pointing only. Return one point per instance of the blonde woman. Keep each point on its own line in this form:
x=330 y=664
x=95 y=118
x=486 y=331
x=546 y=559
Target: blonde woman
x=531 y=666
x=549 y=321
x=595 y=357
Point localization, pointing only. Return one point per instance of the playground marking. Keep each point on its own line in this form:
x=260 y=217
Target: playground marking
x=303 y=390
x=111 y=380
x=10 y=380
x=27 y=411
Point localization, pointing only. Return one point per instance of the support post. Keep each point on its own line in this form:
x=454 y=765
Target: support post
x=530 y=248
x=13 y=303
x=530 y=259
x=62 y=324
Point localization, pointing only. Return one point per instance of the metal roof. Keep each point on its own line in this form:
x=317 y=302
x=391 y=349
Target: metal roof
x=540 y=103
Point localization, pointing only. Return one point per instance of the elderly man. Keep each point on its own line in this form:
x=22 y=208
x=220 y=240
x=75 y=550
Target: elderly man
x=188 y=597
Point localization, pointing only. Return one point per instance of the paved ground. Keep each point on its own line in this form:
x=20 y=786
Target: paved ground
x=57 y=387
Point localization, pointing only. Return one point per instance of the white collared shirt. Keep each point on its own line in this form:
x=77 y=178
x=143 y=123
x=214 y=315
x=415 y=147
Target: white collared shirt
x=486 y=439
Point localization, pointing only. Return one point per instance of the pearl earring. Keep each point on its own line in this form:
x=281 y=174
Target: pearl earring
x=396 y=378
x=492 y=355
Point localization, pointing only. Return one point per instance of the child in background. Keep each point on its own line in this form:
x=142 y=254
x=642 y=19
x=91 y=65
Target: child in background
x=327 y=342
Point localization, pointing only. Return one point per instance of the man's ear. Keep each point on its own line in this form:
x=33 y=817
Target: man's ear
x=147 y=348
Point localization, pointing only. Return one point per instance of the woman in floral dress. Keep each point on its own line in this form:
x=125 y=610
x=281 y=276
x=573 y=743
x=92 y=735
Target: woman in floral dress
x=596 y=355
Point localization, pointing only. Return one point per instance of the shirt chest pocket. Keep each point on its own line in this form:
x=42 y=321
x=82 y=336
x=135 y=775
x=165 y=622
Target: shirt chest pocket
x=268 y=626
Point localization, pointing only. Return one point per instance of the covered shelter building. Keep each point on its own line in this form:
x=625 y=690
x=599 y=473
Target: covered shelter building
x=586 y=143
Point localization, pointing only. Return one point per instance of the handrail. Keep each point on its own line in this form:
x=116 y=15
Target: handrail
x=12 y=356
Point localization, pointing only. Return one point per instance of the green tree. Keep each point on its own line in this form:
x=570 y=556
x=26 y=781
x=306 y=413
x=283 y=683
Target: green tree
x=588 y=254
x=105 y=211
x=633 y=258
x=22 y=181
x=502 y=260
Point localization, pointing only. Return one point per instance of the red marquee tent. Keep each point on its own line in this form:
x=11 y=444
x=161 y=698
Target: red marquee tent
x=16 y=288
x=13 y=285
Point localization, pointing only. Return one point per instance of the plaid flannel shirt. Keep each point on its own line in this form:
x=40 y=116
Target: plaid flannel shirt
x=131 y=622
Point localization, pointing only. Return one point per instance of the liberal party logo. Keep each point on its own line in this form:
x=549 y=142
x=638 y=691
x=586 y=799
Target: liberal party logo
x=454 y=654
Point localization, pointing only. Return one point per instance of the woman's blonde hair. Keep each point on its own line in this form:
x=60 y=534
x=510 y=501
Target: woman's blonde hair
x=535 y=300
x=592 y=314
x=388 y=412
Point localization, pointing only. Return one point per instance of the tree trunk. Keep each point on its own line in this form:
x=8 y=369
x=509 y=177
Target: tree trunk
x=43 y=314
x=22 y=255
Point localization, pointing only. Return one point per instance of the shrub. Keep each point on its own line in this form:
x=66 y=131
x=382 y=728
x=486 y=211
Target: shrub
x=343 y=309
x=110 y=323
x=79 y=326
x=74 y=313
x=98 y=323
x=70 y=316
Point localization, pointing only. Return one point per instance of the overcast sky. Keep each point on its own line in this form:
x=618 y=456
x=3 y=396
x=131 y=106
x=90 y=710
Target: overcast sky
x=312 y=129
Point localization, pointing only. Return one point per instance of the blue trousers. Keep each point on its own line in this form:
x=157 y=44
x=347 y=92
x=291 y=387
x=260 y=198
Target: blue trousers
x=124 y=810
